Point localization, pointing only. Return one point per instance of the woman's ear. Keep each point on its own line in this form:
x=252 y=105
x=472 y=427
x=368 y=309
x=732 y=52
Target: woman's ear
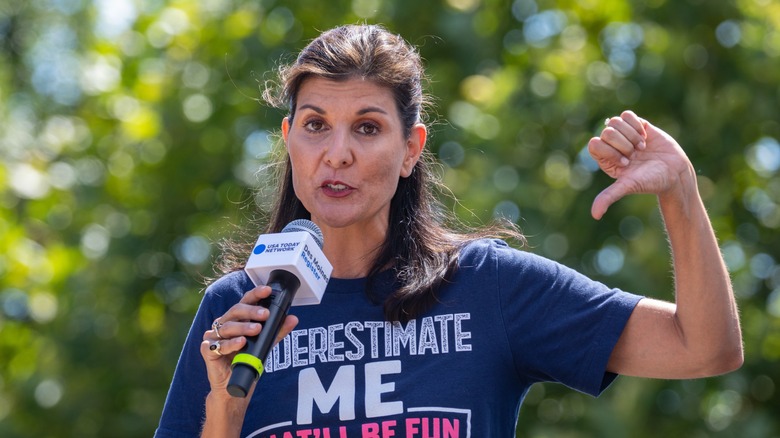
x=285 y=129
x=414 y=147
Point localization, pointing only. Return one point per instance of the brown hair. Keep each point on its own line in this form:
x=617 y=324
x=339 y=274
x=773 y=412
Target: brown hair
x=420 y=246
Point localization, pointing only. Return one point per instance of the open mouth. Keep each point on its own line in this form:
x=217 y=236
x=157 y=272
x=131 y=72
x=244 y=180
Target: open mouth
x=337 y=187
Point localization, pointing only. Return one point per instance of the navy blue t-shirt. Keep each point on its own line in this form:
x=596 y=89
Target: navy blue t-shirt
x=506 y=320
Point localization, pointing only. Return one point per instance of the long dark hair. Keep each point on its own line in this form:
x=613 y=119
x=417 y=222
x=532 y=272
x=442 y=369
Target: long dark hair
x=421 y=245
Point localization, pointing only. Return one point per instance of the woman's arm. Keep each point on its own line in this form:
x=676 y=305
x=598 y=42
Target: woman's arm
x=225 y=413
x=698 y=335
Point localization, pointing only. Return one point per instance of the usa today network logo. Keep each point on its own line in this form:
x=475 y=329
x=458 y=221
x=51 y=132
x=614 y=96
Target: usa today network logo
x=275 y=247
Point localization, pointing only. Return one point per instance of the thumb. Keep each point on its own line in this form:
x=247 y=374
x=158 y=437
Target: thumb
x=606 y=198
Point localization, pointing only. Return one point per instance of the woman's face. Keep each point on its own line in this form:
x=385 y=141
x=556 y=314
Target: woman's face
x=347 y=149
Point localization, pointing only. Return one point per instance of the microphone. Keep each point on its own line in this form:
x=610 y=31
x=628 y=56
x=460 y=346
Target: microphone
x=293 y=265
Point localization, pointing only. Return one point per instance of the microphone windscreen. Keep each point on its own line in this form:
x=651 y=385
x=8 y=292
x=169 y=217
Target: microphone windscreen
x=305 y=225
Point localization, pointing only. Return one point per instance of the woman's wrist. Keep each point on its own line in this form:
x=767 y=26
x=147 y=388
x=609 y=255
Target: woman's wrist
x=683 y=195
x=224 y=415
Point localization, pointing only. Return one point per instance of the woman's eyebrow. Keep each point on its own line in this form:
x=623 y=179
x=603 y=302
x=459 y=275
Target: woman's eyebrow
x=371 y=109
x=312 y=107
x=360 y=112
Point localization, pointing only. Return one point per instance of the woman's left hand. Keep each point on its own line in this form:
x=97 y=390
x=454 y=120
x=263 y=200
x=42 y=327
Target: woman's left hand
x=699 y=334
x=641 y=157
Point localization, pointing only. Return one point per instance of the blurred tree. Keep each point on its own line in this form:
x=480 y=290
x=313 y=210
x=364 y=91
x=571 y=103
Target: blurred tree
x=131 y=136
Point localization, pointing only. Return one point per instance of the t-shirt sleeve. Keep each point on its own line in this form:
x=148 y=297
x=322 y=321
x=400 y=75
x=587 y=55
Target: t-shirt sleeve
x=184 y=407
x=561 y=324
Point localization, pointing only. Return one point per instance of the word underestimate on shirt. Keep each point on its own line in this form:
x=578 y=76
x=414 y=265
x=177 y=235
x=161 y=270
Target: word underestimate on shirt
x=354 y=340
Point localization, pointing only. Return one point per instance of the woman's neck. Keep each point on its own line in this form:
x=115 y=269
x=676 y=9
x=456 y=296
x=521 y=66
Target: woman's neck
x=351 y=252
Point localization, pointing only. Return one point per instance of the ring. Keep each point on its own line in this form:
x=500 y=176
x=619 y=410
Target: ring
x=215 y=348
x=215 y=326
x=606 y=121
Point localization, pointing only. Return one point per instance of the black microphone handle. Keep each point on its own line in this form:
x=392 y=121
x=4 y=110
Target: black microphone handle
x=245 y=371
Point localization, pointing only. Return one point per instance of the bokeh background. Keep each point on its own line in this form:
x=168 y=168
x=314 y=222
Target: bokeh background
x=131 y=134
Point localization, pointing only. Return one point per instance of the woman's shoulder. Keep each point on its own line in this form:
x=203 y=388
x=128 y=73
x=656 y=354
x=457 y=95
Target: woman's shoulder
x=486 y=248
x=230 y=285
x=502 y=255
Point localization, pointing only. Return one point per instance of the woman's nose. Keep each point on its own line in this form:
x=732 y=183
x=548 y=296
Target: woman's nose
x=338 y=152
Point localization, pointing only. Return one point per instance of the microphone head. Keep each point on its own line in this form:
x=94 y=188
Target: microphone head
x=305 y=225
x=296 y=249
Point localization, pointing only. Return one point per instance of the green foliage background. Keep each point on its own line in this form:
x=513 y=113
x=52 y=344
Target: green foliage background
x=131 y=134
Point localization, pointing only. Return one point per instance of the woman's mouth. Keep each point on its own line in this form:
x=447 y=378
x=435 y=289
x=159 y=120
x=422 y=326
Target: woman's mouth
x=336 y=189
x=336 y=186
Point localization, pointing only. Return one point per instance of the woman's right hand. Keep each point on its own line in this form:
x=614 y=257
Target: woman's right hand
x=228 y=336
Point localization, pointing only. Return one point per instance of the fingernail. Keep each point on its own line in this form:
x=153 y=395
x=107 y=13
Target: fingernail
x=624 y=161
x=642 y=145
x=254 y=326
x=261 y=312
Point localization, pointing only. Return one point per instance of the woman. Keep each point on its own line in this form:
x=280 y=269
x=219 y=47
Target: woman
x=424 y=331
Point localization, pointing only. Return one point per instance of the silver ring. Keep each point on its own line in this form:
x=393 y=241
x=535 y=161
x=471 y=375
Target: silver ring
x=606 y=121
x=215 y=326
x=215 y=348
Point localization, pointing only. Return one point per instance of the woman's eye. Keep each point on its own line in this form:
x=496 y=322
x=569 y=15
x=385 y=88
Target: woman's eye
x=368 y=129
x=314 y=125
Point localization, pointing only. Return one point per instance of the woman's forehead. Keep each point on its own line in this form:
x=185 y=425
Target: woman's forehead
x=324 y=92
